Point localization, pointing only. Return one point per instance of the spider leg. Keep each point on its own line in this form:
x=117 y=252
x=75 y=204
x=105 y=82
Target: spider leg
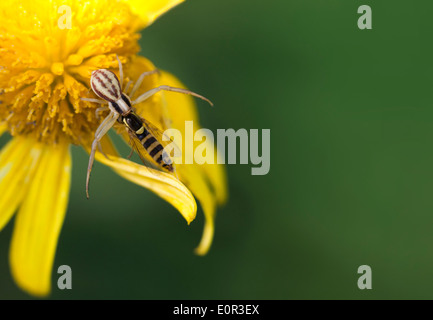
x=120 y=72
x=100 y=132
x=99 y=110
x=151 y=92
x=140 y=80
x=103 y=123
x=127 y=86
x=101 y=151
x=100 y=101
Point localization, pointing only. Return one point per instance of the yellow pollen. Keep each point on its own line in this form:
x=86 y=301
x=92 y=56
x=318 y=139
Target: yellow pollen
x=45 y=70
x=74 y=60
x=57 y=68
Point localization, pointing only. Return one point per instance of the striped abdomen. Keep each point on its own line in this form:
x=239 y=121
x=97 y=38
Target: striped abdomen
x=155 y=149
x=106 y=85
x=152 y=146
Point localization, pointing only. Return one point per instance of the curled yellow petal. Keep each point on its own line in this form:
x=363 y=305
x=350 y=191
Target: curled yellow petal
x=208 y=181
x=217 y=176
x=150 y=10
x=40 y=219
x=196 y=182
x=163 y=184
x=182 y=108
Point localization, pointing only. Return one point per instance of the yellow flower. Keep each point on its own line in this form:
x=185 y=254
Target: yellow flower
x=44 y=73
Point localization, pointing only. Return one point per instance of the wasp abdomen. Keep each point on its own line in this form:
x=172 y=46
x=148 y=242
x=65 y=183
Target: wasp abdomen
x=155 y=149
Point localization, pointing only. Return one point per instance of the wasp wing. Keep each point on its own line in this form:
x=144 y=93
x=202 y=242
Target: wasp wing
x=156 y=132
x=141 y=151
x=136 y=146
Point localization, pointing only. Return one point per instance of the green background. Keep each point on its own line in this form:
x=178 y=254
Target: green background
x=351 y=179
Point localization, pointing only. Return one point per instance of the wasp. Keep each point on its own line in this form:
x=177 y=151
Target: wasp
x=145 y=138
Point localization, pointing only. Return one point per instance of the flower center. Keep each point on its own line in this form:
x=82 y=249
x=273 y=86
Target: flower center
x=57 y=68
x=45 y=70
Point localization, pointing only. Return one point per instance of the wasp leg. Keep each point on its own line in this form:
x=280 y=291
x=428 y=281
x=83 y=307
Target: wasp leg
x=131 y=144
x=108 y=122
x=151 y=92
x=140 y=80
x=131 y=153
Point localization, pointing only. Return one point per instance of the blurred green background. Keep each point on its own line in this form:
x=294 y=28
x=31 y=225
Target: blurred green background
x=351 y=179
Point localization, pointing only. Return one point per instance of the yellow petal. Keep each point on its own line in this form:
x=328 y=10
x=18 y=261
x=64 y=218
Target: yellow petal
x=150 y=10
x=196 y=182
x=218 y=179
x=208 y=181
x=18 y=160
x=163 y=184
x=40 y=219
x=151 y=109
x=182 y=108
